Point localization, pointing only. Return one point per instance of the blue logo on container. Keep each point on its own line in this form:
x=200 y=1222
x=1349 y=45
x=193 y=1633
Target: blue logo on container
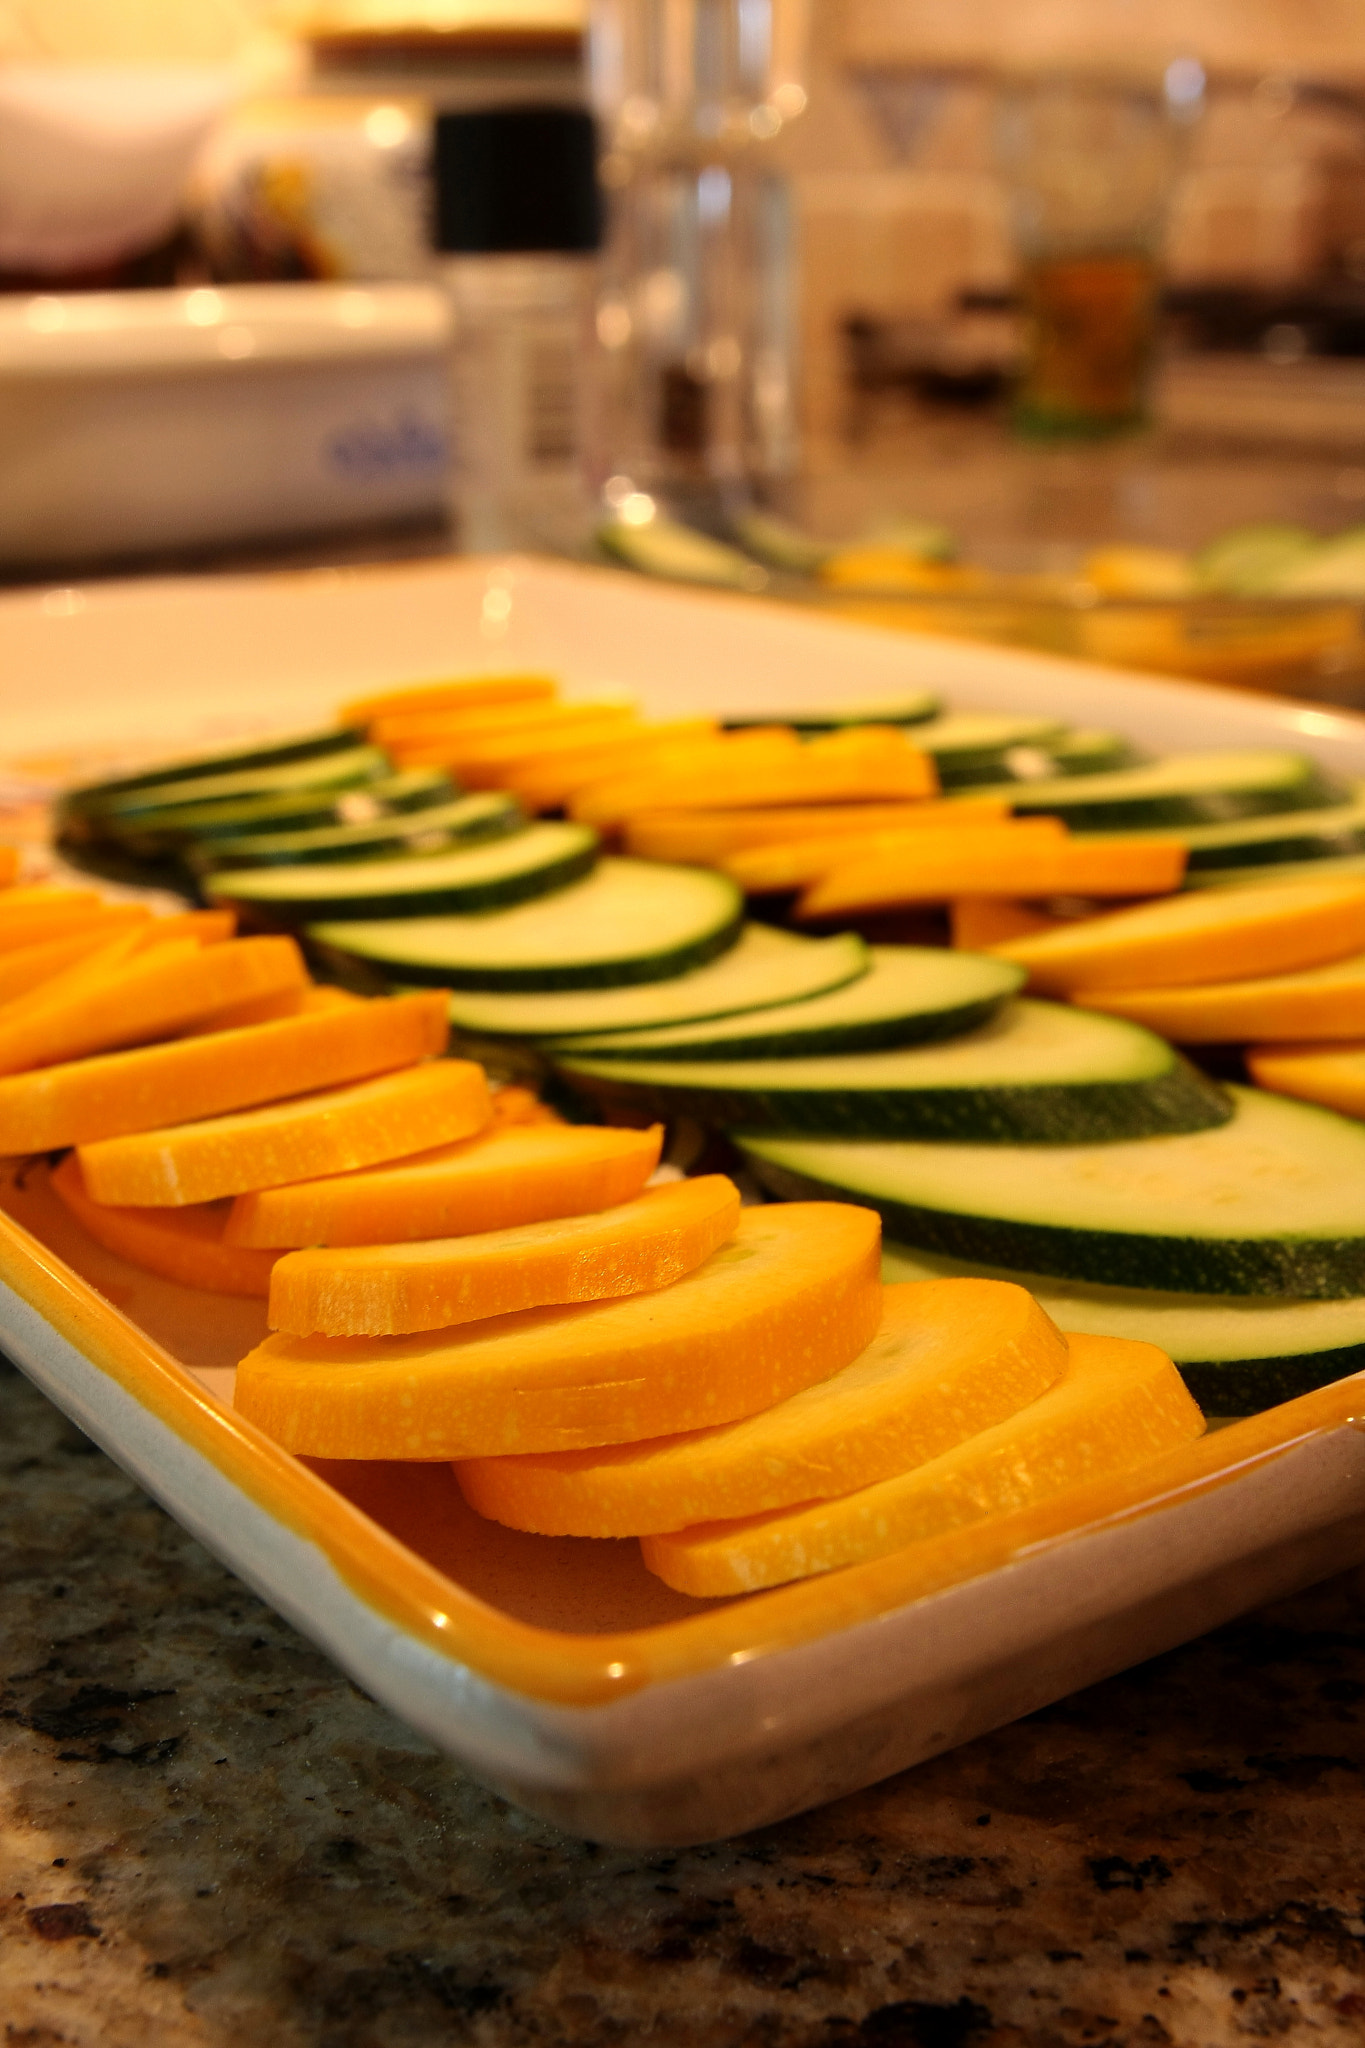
x=369 y=451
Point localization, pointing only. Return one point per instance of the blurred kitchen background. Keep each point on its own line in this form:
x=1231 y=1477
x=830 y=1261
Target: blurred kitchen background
x=225 y=329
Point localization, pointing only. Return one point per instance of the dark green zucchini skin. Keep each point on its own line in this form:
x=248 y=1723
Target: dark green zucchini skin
x=369 y=973
x=1245 y=1386
x=1298 y=845
x=991 y=771
x=188 y=832
x=877 y=1035
x=110 y=862
x=1324 y=1269
x=1089 y=1113
x=913 y=711
x=463 y=899
x=388 y=836
x=336 y=739
x=1188 y=807
x=398 y=795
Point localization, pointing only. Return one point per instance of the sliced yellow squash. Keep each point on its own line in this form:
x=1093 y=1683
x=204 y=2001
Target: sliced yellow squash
x=951 y=1358
x=1218 y=935
x=1118 y=1406
x=792 y=1297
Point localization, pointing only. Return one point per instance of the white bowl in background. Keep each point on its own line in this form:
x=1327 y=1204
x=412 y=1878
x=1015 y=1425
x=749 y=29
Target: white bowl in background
x=94 y=158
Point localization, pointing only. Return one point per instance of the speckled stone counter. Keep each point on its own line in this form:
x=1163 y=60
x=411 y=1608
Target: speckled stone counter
x=208 y=1836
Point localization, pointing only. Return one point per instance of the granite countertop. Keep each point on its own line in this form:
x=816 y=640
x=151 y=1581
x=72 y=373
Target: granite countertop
x=209 y=1837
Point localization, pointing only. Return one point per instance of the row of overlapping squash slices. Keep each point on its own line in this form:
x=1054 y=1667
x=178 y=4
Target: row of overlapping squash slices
x=454 y=1273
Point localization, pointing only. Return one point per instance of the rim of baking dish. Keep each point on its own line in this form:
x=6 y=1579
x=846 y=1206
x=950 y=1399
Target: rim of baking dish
x=570 y=1669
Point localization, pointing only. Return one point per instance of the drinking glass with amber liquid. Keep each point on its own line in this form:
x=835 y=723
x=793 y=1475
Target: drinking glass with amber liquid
x=1091 y=159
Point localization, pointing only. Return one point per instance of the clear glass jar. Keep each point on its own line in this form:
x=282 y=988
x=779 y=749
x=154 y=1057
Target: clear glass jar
x=696 y=320
x=520 y=351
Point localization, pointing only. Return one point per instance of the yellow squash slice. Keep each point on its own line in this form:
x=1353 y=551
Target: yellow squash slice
x=710 y=836
x=387 y=1290
x=1215 y=935
x=1118 y=1406
x=952 y=1357
x=1318 y=1002
x=793 y=1297
x=1333 y=1075
x=185 y=1245
x=516 y=1172
x=330 y=1132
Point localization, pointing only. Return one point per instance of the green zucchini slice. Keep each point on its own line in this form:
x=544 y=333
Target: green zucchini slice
x=487 y=814
x=339 y=769
x=664 y=547
x=1082 y=752
x=905 y=708
x=961 y=737
x=1037 y=1074
x=764 y=968
x=1283 y=838
x=1238 y=1353
x=185 y=826
x=1272 y=1202
x=1185 y=789
x=911 y=994
x=266 y=753
x=630 y=921
x=515 y=868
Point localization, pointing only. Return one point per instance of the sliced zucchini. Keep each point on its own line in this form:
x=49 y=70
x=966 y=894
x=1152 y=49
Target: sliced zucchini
x=1037 y=1074
x=1249 y=561
x=1185 y=789
x=1237 y=1353
x=487 y=814
x=295 y=810
x=905 y=708
x=912 y=994
x=1271 y=1202
x=1345 y=867
x=1335 y=568
x=1284 y=837
x=960 y=737
x=342 y=768
x=1082 y=752
x=264 y=754
x=763 y=968
x=664 y=547
x=630 y=921
x=515 y=868
x=781 y=545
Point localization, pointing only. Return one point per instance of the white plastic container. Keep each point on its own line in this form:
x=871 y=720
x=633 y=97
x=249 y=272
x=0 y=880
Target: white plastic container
x=133 y=421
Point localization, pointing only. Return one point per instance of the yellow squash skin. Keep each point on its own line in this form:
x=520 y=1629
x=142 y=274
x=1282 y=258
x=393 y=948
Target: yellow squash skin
x=510 y=1174
x=792 y=1297
x=797 y=862
x=1319 y=1002
x=1118 y=1406
x=952 y=1357
x=1215 y=935
x=1010 y=858
x=708 y=837
x=185 y=1245
x=386 y=1290
x=330 y=1132
x=1332 y=1075
x=207 y=1074
x=125 y=994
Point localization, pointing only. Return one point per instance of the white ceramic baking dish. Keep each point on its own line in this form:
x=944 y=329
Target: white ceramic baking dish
x=560 y=1671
